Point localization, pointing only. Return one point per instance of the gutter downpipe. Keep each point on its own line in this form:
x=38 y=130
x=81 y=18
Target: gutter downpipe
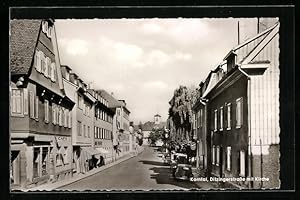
x=249 y=125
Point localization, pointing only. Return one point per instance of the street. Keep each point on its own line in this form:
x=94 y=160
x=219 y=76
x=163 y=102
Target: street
x=143 y=172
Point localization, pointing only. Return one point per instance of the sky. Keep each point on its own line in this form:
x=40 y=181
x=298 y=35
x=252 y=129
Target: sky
x=144 y=60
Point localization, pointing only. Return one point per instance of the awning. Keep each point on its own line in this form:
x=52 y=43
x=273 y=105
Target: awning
x=103 y=151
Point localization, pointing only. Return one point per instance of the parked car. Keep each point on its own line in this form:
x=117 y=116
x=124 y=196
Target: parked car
x=182 y=169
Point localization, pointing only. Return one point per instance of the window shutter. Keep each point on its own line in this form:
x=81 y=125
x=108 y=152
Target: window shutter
x=36 y=107
x=25 y=98
x=49 y=68
x=53 y=114
x=52 y=72
x=32 y=103
x=46 y=103
x=241 y=112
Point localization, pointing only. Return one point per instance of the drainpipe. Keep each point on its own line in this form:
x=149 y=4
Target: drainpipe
x=249 y=125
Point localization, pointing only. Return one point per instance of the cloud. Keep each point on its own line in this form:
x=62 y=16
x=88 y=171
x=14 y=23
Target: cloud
x=155 y=85
x=75 y=47
x=151 y=28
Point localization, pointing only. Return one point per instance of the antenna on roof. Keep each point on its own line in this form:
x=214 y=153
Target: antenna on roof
x=238 y=32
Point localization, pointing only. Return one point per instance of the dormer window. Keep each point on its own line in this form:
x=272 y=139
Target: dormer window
x=67 y=75
x=47 y=29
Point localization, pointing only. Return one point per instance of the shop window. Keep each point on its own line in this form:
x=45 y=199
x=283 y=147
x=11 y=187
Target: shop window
x=44 y=161
x=65 y=155
x=239 y=112
x=16 y=102
x=218 y=156
x=36 y=162
x=59 y=156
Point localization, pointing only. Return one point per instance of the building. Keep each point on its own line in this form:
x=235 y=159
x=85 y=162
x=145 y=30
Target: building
x=200 y=116
x=149 y=126
x=103 y=125
x=40 y=110
x=124 y=134
x=243 y=113
x=82 y=120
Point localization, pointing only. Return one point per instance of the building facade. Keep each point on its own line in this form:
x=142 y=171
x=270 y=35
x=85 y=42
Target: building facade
x=243 y=113
x=40 y=111
x=103 y=126
x=82 y=120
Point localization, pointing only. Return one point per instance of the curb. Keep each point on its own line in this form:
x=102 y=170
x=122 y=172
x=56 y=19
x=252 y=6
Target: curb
x=59 y=184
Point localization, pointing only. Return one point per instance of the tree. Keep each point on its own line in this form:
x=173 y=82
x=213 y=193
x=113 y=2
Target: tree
x=155 y=135
x=180 y=111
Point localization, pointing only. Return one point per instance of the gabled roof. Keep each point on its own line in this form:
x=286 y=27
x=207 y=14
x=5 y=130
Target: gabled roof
x=23 y=39
x=112 y=102
x=260 y=36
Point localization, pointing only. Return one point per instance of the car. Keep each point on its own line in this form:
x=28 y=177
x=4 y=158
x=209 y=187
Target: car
x=182 y=169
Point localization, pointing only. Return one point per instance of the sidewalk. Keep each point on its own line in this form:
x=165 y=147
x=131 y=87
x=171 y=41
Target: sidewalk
x=78 y=177
x=203 y=185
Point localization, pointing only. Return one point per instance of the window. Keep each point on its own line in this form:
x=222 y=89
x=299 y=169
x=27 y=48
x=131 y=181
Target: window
x=16 y=102
x=66 y=121
x=48 y=68
x=59 y=156
x=228 y=116
x=65 y=155
x=44 y=66
x=36 y=107
x=80 y=102
x=25 y=99
x=213 y=154
x=37 y=60
x=36 y=162
x=89 y=132
x=95 y=132
x=44 y=161
x=242 y=163
x=49 y=32
x=218 y=156
x=60 y=117
x=53 y=70
x=216 y=120
x=46 y=103
x=32 y=103
x=79 y=127
x=221 y=118
x=44 y=26
x=70 y=119
x=239 y=112
x=54 y=116
x=201 y=117
x=228 y=155
x=84 y=132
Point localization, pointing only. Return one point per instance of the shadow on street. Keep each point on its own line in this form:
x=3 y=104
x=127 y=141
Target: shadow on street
x=162 y=175
x=148 y=162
